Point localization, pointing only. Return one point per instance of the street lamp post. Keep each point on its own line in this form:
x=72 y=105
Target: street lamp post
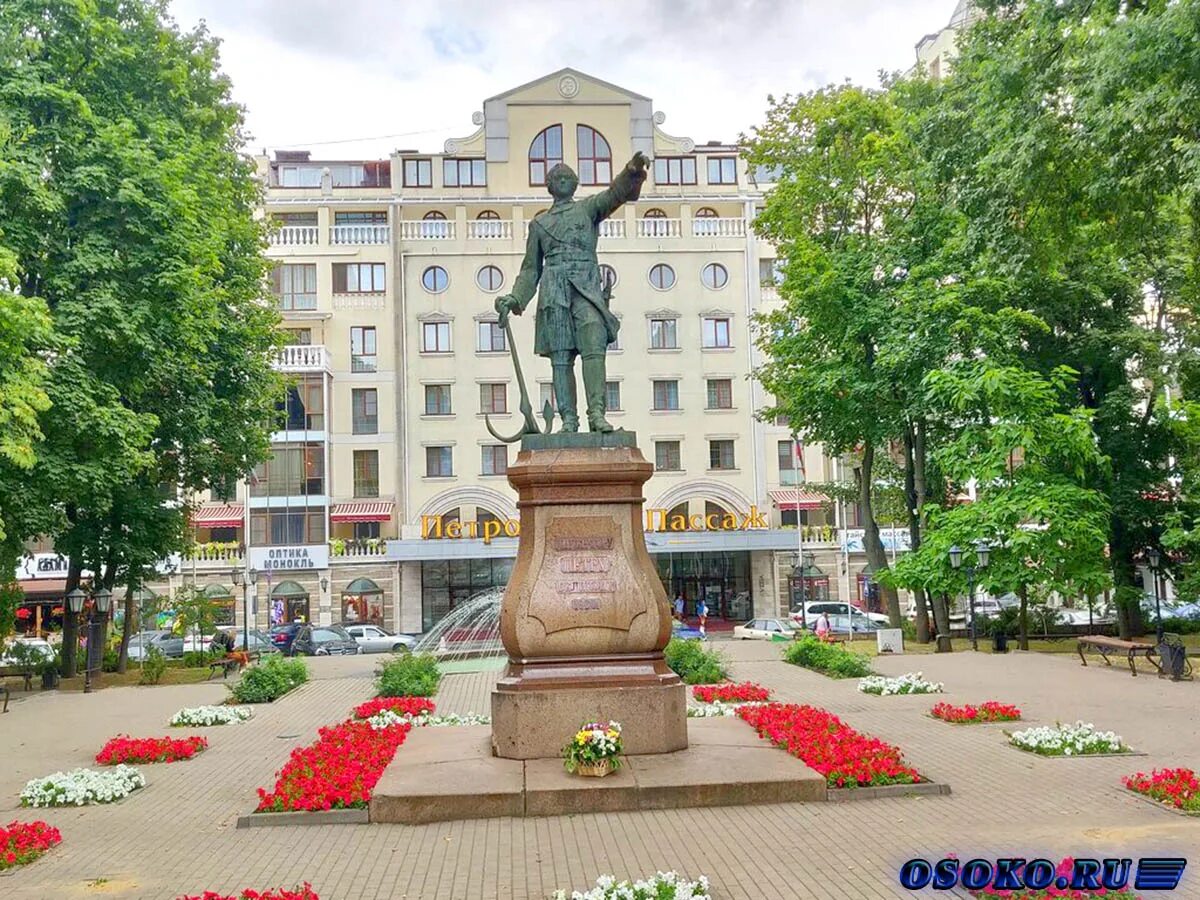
x=1153 y=559
x=75 y=598
x=95 y=639
x=251 y=577
x=982 y=551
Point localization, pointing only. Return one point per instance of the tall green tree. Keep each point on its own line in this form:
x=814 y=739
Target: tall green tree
x=131 y=211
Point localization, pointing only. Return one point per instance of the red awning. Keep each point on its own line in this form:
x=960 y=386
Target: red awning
x=363 y=511
x=218 y=515
x=797 y=498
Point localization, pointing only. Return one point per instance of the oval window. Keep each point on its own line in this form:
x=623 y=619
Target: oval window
x=714 y=276
x=608 y=276
x=662 y=276
x=489 y=278
x=435 y=280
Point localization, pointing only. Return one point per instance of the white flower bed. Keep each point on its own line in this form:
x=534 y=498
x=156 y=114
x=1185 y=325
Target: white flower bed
x=908 y=683
x=82 y=786
x=717 y=708
x=663 y=886
x=1079 y=739
x=386 y=718
x=210 y=715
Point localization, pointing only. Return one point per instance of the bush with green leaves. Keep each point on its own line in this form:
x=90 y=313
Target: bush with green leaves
x=154 y=664
x=198 y=659
x=829 y=659
x=270 y=680
x=410 y=675
x=695 y=663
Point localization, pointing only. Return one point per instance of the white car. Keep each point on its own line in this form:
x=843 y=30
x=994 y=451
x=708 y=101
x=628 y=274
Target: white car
x=766 y=630
x=373 y=639
x=38 y=645
x=814 y=608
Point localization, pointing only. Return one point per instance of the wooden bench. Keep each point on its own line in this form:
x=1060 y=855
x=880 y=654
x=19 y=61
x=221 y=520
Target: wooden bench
x=1106 y=645
x=11 y=672
x=227 y=663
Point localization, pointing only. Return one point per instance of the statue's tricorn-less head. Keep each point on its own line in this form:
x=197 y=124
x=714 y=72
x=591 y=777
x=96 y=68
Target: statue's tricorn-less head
x=561 y=181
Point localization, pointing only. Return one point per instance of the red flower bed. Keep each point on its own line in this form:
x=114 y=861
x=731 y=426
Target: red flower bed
x=1064 y=870
x=827 y=744
x=304 y=892
x=988 y=711
x=23 y=842
x=414 y=706
x=1174 y=787
x=338 y=771
x=743 y=692
x=124 y=749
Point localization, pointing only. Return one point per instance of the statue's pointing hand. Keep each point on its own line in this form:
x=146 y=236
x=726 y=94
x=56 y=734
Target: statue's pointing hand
x=505 y=305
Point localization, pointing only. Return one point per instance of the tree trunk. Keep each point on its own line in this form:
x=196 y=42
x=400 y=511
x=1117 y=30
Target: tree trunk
x=941 y=614
x=127 y=628
x=1126 y=594
x=1023 y=617
x=876 y=556
x=913 y=502
x=70 y=643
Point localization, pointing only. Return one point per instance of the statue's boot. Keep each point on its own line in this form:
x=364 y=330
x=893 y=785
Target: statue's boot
x=564 y=395
x=594 y=375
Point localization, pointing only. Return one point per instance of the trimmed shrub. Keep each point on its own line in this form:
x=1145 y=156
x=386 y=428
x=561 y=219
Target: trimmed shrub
x=154 y=664
x=833 y=660
x=695 y=663
x=270 y=680
x=411 y=675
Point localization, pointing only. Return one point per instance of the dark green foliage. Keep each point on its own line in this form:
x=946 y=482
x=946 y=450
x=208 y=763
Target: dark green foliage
x=154 y=664
x=1174 y=625
x=410 y=675
x=833 y=660
x=197 y=659
x=109 y=663
x=270 y=679
x=695 y=663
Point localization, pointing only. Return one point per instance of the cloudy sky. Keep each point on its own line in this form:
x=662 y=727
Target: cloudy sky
x=401 y=74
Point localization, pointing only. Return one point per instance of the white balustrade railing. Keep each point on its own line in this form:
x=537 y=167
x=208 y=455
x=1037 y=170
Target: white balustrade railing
x=373 y=547
x=770 y=292
x=612 y=228
x=302 y=358
x=293 y=236
x=659 y=228
x=427 y=230
x=360 y=234
x=490 y=229
x=359 y=301
x=214 y=552
x=719 y=227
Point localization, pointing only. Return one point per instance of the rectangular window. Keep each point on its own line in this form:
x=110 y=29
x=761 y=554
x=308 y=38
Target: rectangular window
x=363 y=351
x=437 y=399
x=788 y=465
x=770 y=271
x=716 y=333
x=490 y=338
x=720 y=393
x=359 y=278
x=299 y=176
x=464 y=172
x=495 y=460
x=300 y=336
x=303 y=406
x=493 y=398
x=377 y=217
x=546 y=395
x=720 y=455
x=295 y=284
x=365 y=531
x=663 y=334
x=666 y=456
x=361 y=175
x=722 y=170
x=296 y=219
x=435 y=337
x=294 y=470
x=366 y=473
x=675 y=170
x=364 y=406
x=418 y=173
x=439 y=462
x=666 y=395
x=276 y=527
x=612 y=393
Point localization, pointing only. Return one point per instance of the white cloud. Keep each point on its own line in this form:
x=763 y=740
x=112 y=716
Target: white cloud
x=312 y=72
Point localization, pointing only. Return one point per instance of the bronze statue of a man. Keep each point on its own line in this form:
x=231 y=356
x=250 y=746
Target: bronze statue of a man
x=573 y=318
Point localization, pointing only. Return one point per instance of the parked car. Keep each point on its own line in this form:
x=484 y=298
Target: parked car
x=841 y=624
x=283 y=636
x=814 y=608
x=39 y=646
x=259 y=642
x=374 y=639
x=766 y=630
x=324 y=640
x=169 y=645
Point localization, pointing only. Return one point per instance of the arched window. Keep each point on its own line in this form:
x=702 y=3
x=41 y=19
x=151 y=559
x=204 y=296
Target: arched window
x=489 y=278
x=656 y=224
x=434 y=225
x=362 y=601
x=701 y=228
x=487 y=225
x=491 y=214
x=545 y=153
x=714 y=509
x=289 y=603
x=595 y=157
x=221 y=599
x=714 y=276
x=435 y=279
x=655 y=213
x=662 y=276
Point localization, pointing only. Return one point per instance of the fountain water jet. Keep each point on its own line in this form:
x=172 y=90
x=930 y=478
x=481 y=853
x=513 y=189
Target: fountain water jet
x=467 y=639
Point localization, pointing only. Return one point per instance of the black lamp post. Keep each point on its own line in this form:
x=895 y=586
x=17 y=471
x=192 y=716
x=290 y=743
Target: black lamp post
x=982 y=552
x=1153 y=559
x=102 y=599
x=75 y=600
x=798 y=577
x=251 y=578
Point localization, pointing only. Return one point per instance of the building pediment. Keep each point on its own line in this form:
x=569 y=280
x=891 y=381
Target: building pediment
x=567 y=85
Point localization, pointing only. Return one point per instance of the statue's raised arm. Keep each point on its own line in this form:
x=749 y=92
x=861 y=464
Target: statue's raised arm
x=625 y=187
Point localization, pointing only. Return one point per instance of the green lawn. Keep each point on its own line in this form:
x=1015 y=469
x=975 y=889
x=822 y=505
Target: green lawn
x=1065 y=645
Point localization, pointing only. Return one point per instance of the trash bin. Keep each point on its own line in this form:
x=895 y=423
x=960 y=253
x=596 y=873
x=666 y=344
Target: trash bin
x=999 y=642
x=1173 y=657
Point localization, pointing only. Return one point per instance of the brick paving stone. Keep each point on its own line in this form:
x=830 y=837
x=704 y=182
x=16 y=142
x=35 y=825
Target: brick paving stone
x=177 y=835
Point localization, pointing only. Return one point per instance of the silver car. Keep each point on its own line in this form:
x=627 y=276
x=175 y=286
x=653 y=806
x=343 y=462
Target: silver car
x=168 y=644
x=373 y=639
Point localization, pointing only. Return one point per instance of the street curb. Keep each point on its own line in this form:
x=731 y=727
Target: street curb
x=887 y=791
x=314 y=817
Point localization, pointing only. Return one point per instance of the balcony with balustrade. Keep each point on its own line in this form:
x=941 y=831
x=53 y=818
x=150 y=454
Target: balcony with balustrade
x=294 y=236
x=302 y=358
x=343 y=235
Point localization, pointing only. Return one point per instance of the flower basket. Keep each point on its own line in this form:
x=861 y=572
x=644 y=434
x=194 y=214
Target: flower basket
x=595 y=750
x=594 y=770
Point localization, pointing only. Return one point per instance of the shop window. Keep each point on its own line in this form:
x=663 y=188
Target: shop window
x=446 y=584
x=278 y=527
x=289 y=603
x=362 y=601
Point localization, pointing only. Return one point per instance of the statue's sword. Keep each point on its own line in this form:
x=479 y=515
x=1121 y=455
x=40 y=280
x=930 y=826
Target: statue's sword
x=529 y=425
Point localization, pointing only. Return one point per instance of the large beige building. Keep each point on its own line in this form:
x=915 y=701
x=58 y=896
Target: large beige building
x=936 y=51
x=387 y=498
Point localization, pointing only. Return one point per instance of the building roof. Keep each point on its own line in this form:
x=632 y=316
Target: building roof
x=559 y=74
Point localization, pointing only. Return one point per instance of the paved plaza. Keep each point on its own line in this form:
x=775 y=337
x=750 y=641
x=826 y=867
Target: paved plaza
x=178 y=835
